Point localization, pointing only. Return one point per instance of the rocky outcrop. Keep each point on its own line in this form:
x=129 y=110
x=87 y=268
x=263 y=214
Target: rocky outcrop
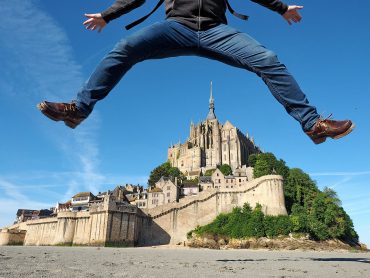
x=302 y=242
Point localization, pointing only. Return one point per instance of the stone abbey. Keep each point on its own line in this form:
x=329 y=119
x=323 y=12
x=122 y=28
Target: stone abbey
x=211 y=144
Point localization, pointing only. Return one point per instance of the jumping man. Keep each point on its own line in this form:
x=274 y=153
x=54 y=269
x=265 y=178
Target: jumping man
x=195 y=27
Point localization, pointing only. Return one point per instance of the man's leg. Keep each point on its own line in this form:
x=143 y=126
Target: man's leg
x=227 y=45
x=160 y=40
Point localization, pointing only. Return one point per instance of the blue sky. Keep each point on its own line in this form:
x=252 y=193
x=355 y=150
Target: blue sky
x=45 y=53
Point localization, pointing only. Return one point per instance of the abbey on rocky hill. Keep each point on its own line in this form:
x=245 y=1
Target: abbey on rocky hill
x=211 y=144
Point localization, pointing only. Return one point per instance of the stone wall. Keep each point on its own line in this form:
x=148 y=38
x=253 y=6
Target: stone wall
x=118 y=224
x=102 y=226
x=11 y=237
x=171 y=223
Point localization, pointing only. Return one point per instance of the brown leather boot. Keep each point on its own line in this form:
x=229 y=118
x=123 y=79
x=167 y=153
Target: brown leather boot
x=324 y=128
x=66 y=112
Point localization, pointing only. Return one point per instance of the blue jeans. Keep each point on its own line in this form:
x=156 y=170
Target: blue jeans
x=223 y=43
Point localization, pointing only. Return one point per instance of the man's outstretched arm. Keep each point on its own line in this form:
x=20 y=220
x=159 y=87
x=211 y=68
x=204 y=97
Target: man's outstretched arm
x=290 y=13
x=120 y=7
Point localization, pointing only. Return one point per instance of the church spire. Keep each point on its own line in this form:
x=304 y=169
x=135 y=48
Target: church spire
x=211 y=113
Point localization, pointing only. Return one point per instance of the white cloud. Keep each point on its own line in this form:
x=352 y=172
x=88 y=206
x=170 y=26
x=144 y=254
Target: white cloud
x=13 y=200
x=37 y=63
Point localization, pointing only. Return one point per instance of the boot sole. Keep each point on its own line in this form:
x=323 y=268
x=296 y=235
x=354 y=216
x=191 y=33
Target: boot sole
x=70 y=124
x=348 y=131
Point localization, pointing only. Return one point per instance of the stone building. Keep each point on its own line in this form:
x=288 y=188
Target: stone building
x=165 y=191
x=24 y=215
x=189 y=188
x=80 y=201
x=218 y=180
x=211 y=144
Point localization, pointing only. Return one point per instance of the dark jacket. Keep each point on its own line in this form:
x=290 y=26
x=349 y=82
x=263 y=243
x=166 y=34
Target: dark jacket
x=196 y=14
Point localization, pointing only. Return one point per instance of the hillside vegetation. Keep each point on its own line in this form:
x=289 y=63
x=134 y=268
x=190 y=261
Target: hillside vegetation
x=310 y=210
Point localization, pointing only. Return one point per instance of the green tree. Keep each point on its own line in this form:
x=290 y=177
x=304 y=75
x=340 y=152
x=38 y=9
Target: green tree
x=164 y=170
x=298 y=219
x=226 y=169
x=256 y=226
x=252 y=159
x=299 y=189
x=267 y=164
x=262 y=168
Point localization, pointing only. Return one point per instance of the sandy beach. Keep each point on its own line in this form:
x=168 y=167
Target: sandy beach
x=21 y=261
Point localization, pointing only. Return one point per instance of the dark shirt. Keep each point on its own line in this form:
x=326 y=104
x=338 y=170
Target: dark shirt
x=196 y=14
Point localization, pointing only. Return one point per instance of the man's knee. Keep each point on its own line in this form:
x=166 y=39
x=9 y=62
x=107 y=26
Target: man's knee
x=269 y=58
x=125 y=50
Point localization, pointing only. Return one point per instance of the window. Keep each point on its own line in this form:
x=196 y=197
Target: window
x=217 y=175
x=168 y=187
x=227 y=181
x=240 y=180
x=168 y=194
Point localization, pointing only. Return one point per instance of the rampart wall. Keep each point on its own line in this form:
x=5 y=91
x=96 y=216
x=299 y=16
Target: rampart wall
x=11 y=237
x=109 y=224
x=97 y=228
x=170 y=223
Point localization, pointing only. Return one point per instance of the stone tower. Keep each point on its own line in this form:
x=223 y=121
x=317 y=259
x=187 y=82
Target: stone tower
x=211 y=144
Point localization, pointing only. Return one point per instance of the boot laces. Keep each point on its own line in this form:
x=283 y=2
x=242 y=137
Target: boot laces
x=322 y=119
x=70 y=107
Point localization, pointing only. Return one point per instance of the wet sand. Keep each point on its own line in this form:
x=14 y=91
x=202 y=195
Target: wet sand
x=21 y=261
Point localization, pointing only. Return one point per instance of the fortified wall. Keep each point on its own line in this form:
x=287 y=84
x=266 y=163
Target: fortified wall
x=118 y=224
x=106 y=224
x=170 y=223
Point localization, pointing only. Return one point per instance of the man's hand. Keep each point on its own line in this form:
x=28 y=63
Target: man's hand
x=94 y=22
x=292 y=14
